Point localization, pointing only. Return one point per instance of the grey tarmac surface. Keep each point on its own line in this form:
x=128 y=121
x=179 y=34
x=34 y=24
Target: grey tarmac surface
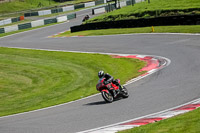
x=176 y=84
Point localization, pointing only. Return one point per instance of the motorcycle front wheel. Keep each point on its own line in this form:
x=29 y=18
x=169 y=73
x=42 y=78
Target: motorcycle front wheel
x=124 y=92
x=107 y=96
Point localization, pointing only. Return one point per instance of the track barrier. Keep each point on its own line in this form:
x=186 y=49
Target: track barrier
x=37 y=23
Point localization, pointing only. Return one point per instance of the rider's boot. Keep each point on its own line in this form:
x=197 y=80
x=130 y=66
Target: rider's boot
x=120 y=87
x=116 y=92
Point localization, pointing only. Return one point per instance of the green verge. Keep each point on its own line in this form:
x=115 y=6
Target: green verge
x=157 y=29
x=16 y=6
x=185 y=123
x=154 y=9
x=34 y=79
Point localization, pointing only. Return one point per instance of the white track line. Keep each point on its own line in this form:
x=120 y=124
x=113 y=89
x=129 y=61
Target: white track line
x=165 y=113
x=183 y=34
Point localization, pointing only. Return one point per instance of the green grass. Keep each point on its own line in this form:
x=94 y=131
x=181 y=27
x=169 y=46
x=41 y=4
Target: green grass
x=155 y=8
x=20 y=5
x=158 y=29
x=186 y=123
x=34 y=79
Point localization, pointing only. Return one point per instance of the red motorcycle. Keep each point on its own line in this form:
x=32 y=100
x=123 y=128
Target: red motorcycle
x=107 y=90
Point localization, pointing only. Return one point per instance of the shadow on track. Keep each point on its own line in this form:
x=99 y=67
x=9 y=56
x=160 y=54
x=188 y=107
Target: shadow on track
x=96 y=103
x=100 y=102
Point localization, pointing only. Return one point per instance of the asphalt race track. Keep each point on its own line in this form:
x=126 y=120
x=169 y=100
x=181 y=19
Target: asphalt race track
x=174 y=85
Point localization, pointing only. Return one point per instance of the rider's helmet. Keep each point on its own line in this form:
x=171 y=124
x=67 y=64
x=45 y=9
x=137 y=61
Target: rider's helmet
x=101 y=74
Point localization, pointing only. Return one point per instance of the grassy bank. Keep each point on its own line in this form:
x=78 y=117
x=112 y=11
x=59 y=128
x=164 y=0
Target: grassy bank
x=20 y=5
x=34 y=79
x=17 y=5
x=157 y=29
x=186 y=123
x=154 y=9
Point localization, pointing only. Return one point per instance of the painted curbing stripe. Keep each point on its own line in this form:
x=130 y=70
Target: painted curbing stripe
x=169 y=114
x=55 y=35
x=152 y=71
x=118 y=128
x=141 y=56
x=146 y=119
x=183 y=34
x=152 y=63
x=189 y=107
x=114 y=129
x=197 y=102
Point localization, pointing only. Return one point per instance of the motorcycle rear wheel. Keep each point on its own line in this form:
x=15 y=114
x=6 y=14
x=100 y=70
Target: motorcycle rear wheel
x=107 y=96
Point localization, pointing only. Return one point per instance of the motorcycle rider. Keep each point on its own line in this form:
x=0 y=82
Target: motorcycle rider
x=86 y=18
x=108 y=79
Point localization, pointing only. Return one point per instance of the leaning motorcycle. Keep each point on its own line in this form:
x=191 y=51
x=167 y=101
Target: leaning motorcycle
x=107 y=90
